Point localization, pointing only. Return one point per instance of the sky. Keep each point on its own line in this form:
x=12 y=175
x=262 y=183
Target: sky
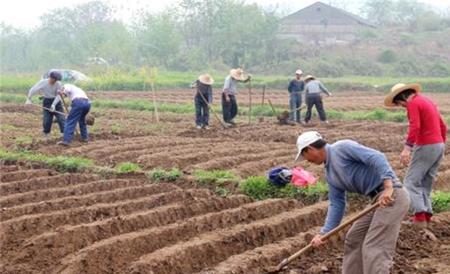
x=26 y=13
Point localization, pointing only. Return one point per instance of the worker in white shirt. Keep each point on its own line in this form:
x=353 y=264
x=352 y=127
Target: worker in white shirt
x=79 y=109
x=49 y=87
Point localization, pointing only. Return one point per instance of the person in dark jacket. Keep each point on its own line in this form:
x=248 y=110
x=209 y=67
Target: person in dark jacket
x=295 y=88
x=203 y=97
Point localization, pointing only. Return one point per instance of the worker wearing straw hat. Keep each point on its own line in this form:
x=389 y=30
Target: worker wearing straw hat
x=351 y=167
x=203 y=97
x=295 y=89
x=426 y=141
x=229 y=103
x=313 y=90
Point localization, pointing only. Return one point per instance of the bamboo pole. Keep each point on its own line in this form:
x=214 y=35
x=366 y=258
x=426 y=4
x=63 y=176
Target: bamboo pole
x=250 y=102
x=263 y=95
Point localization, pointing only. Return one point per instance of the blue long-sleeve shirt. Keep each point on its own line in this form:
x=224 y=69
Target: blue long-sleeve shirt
x=296 y=86
x=352 y=167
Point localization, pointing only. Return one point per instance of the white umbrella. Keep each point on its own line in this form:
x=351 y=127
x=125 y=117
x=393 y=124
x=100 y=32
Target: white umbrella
x=68 y=75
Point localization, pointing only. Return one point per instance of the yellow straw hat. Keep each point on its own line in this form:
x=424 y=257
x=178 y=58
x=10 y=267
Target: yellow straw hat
x=238 y=74
x=397 y=89
x=309 y=77
x=206 y=79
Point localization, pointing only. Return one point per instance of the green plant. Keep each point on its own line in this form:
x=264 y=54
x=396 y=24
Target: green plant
x=205 y=177
x=60 y=163
x=440 y=201
x=116 y=128
x=127 y=167
x=159 y=174
x=221 y=191
x=258 y=188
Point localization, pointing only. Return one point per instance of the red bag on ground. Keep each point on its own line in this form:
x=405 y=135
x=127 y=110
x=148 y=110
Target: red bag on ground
x=302 y=178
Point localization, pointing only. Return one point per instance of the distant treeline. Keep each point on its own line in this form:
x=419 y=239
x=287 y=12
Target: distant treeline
x=205 y=35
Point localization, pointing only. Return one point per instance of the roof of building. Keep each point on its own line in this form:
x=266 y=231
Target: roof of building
x=322 y=14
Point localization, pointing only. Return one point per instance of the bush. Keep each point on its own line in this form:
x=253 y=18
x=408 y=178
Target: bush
x=387 y=56
x=165 y=175
x=218 y=177
x=127 y=167
x=258 y=187
x=439 y=69
x=440 y=201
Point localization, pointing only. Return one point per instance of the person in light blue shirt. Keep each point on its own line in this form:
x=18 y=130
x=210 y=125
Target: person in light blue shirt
x=352 y=167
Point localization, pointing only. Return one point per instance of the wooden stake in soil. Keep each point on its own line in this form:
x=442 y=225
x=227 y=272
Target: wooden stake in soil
x=263 y=95
x=271 y=106
x=152 y=85
x=249 y=102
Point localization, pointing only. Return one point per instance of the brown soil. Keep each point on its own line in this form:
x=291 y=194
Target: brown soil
x=78 y=223
x=342 y=101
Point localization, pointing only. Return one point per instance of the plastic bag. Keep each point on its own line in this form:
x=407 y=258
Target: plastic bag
x=302 y=178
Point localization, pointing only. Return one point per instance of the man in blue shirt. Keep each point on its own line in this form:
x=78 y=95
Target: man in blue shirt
x=295 y=89
x=351 y=167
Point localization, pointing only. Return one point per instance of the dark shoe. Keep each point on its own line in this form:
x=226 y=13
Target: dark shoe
x=62 y=143
x=85 y=140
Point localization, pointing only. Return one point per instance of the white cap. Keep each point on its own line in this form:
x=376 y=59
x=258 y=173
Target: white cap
x=305 y=139
x=299 y=72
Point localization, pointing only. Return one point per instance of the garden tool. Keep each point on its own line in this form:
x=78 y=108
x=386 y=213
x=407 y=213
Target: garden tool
x=333 y=232
x=212 y=111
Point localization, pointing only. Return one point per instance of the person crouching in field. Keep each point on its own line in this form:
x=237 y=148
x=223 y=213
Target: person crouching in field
x=203 y=97
x=313 y=90
x=229 y=103
x=426 y=140
x=351 y=167
x=295 y=88
x=50 y=87
x=80 y=107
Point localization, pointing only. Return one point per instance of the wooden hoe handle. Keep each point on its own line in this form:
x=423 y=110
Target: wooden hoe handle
x=329 y=234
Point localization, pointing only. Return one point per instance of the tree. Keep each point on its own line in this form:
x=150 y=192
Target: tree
x=158 y=39
x=380 y=12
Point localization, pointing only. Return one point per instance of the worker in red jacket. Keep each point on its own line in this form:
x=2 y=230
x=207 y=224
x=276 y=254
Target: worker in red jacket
x=426 y=140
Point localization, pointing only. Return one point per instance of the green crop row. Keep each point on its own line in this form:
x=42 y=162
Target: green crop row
x=121 y=80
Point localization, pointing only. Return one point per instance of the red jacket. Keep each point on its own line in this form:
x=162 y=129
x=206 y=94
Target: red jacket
x=426 y=126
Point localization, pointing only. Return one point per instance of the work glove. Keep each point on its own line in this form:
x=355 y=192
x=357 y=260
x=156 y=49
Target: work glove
x=28 y=101
x=52 y=108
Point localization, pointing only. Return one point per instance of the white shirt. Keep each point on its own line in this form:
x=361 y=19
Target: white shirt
x=72 y=91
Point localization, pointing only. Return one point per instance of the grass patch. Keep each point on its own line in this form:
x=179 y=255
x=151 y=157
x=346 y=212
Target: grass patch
x=114 y=79
x=22 y=141
x=60 y=163
x=127 y=167
x=259 y=188
x=440 y=201
x=159 y=174
x=216 y=177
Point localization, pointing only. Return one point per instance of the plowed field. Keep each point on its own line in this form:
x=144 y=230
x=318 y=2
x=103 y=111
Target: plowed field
x=77 y=223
